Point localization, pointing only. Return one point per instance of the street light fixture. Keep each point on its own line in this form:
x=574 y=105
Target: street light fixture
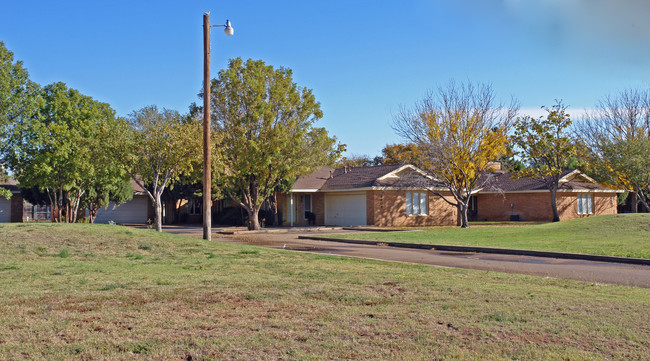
x=207 y=169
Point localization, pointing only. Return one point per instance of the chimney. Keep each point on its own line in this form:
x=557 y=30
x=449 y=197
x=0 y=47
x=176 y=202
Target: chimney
x=331 y=175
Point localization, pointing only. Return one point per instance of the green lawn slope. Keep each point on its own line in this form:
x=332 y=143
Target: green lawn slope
x=624 y=235
x=110 y=292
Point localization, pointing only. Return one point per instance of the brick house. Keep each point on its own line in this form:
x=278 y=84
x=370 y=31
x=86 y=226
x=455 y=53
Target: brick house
x=394 y=195
x=524 y=199
x=389 y=195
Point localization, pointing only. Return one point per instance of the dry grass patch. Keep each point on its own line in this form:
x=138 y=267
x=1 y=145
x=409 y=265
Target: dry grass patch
x=123 y=293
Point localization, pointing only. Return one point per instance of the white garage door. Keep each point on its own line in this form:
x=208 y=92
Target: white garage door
x=345 y=209
x=5 y=210
x=133 y=211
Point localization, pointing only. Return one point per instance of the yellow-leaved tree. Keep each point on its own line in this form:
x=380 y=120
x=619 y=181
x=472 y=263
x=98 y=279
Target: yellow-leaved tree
x=457 y=130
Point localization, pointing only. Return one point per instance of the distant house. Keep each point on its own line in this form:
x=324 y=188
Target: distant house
x=11 y=210
x=137 y=210
x=506 y=198
x=390 y=195
x=394 y=195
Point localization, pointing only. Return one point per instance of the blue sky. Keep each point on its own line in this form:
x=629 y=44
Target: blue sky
x=363 y=59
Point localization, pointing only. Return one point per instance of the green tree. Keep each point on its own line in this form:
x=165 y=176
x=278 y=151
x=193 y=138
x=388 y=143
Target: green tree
x=545 y=145
x=457 y=131
x=615 y=138
x=106 y=187
x=267 y=134
x=156 y=147
x=58 y=150
x=356 y=160
x=19 y=99
x=630 y=158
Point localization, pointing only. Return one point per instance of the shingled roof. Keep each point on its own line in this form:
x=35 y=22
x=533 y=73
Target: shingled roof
x=313 y=181
x=357 y=177
x=330 y=179
x=10 y=184
x=570 y=180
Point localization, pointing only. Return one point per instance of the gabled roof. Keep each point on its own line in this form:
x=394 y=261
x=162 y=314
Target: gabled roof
x=313 y=181
x=570 y=180
x=409 y=176
x=351 y=178
x=137 y=190
x=358 y=177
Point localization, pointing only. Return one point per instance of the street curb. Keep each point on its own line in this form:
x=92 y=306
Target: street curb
x=279 y=230
x=369 y=229
x=519 y=252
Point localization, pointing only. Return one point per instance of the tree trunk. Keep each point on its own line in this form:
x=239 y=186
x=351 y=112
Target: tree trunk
x=53 y=204
x=644 y=201
x=274 y=208
x=253 y=218
x=634 y=201
x=463 y=220
x=75 y=207
x=67 y=207
x=92 y=212
x=158 y=216
x=60 y=207
x=556 y=214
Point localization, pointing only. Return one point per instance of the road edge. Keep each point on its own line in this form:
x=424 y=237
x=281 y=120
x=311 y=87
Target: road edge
x=510 y=251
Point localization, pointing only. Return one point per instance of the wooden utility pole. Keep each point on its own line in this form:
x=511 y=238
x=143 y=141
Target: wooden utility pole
x=207 y=166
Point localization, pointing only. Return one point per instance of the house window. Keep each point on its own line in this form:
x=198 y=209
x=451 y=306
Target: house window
x=194 y=206
x=307 y=205
x=585 y=204
x=416 y=203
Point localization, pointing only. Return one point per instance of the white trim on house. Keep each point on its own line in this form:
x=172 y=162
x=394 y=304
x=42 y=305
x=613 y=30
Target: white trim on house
x=575 y=174
x=395 y=173
x=304 y=190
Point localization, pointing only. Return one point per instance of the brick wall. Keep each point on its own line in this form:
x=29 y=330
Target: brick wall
x=604 y=203
x=388 y=208
x=536 y=206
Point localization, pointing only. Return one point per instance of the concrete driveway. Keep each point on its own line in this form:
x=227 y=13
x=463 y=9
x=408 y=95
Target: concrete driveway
x=602 y=272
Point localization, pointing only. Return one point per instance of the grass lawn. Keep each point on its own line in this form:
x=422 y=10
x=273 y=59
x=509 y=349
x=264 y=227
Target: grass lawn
x=109 y=292
x=624 y=235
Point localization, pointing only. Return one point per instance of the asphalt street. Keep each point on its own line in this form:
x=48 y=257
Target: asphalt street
x=590 y=271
